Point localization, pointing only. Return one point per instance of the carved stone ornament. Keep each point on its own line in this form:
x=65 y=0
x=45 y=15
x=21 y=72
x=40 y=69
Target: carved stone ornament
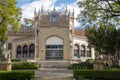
x=54 y=17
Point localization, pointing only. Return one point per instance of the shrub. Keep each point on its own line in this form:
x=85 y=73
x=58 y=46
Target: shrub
x=24 y=65
x=15 y=60
x=90 y=60
x=97 y=74
x=82 y=65
x=17 y=75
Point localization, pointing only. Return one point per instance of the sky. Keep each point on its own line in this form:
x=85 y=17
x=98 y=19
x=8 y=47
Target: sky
x=28 y=7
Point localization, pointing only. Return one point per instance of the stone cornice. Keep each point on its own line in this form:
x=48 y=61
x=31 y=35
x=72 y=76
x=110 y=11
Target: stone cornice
x=21 y=33
x=24 y=39
x=80 y=36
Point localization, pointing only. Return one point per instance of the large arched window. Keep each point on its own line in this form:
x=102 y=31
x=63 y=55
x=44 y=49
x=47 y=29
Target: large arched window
x=76 y=50
x=82 y=49
x=25 y=51
x=31 y=50
x=88 y=51
x=54 y=48
x=19 y=52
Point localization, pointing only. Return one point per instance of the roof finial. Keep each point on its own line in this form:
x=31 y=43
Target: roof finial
x=66 y=8
x=35 y=12
x=39 y=12
x=69 y=11
x=73 y=12
x=42 y=8
x=54 y=8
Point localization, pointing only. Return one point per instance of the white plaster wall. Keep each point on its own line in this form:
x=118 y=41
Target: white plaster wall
x=82 y=41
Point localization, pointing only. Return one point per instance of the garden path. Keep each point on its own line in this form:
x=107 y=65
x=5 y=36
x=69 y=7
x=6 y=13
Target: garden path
x=53 y=74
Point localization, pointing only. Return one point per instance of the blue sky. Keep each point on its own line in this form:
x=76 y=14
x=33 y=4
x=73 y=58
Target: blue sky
x=57 y=3
x=28 y=6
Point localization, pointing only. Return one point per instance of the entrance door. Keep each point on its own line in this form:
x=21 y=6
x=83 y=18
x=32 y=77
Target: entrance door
x=54 y=48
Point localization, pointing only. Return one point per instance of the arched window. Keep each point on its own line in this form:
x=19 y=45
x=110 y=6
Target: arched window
x=25 y=51
x=82 y=49
x=76 y=50
x=31 y=50
x=54 y=48
x=19 y=52
x=88 y=51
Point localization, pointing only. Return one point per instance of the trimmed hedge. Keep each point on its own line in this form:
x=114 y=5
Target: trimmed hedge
x=17 y=75
x=97 y=74
x=24 y=65
x=82 y=65
x=15 y=60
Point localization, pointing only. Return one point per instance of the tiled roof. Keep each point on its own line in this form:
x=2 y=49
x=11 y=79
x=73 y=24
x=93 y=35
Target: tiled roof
x=79 y=32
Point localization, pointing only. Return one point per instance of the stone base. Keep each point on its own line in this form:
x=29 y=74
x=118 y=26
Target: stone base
x=119 y=63
x=6 y=66
x=98 y=66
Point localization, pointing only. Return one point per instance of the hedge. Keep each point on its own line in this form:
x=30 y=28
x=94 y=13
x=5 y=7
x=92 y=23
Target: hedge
x=15 y=60
x=82 y=65
x=17 y=75
x=24 y=65
x=97 y=74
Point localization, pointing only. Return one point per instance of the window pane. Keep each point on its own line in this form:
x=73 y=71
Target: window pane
x=76 y=50
x=25 y=51
x=31 y=51
x=18 y=51
x=88 y=51
x=9 y=46
x=54 y=52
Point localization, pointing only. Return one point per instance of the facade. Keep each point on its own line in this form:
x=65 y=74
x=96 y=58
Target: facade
x=52 y=38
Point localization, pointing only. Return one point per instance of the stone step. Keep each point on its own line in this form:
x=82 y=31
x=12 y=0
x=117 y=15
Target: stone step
x=54 y=64
x=53 y=74
x=68 y=78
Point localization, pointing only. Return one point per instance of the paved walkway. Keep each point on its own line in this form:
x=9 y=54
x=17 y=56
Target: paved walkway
x=53 y=74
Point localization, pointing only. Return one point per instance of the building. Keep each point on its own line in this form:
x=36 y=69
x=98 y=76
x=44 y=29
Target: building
x=52 y=39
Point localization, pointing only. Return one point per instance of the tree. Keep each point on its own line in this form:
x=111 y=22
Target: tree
x=103 y=16
x=102 y=38
x=9 y=17
x=99 y=11
x=118 y=44
x=28 y=23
